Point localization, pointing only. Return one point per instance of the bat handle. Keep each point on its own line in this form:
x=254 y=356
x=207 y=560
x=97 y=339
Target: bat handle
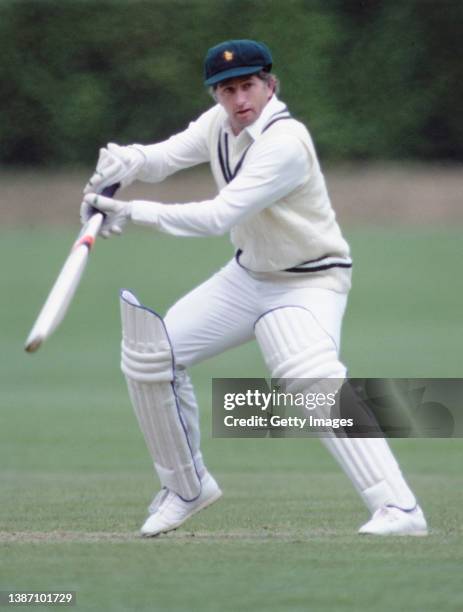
x=90 y=230
x=110 y=190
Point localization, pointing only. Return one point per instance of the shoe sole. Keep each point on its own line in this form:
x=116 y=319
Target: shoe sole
x=207 y=502
x=416 y=534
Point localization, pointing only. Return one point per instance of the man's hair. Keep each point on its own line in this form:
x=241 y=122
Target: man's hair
x=263 y=75
x=269 y=77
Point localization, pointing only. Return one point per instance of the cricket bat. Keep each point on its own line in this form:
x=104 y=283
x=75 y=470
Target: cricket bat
x=57 y=303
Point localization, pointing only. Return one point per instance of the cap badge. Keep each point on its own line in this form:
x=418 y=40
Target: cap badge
x=228 y=56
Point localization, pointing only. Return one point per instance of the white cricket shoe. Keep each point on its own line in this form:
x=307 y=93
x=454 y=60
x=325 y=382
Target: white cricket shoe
x=169 y=511
x=389 y=520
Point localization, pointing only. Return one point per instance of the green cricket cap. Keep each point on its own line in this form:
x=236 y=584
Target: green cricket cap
x=234 y=58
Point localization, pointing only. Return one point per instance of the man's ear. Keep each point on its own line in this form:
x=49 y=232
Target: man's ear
x=272 y=86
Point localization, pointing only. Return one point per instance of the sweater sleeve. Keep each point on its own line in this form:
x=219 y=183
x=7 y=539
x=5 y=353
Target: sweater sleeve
x=182 y=150
x=273 y=168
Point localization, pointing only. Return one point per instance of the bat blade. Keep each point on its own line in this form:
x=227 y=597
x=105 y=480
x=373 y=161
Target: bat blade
x=64 y=288
x=57 y=303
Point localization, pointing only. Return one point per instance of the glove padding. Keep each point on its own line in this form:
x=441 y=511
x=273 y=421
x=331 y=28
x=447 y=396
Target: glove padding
x=116 y=213
x=116 y=164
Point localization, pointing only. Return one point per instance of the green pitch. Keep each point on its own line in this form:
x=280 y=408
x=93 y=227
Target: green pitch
x=76 y=479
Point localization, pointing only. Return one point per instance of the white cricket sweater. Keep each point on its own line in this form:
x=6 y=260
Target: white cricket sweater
x=272 y=196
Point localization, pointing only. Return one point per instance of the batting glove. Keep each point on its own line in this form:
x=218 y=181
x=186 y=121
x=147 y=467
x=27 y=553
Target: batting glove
x=116 y=164
x=116 y=213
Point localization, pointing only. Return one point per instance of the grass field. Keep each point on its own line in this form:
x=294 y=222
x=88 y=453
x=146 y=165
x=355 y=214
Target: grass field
x=76 y=478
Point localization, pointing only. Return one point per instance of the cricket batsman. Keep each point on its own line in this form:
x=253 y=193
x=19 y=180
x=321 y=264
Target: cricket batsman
x=286 y=285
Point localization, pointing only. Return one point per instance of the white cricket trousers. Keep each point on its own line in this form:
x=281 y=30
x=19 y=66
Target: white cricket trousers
x=221 y=313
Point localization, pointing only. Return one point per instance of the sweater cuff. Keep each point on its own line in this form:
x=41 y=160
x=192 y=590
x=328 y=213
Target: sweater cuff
x=145 y=213
x=151 y=170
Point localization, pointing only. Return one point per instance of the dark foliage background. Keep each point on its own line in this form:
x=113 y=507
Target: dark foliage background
x=373 y=80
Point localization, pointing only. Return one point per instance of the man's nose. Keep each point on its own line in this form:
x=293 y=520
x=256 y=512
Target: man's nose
x=240 y=98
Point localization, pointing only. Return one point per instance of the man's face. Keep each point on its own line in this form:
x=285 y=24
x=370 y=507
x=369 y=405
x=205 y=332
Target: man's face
x=243 y=99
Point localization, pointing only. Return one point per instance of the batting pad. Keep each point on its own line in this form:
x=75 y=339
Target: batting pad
x=373 y=470
x=148 y=365
x=295 y=346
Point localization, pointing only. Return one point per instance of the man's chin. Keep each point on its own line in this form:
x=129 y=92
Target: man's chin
x=245 y=119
